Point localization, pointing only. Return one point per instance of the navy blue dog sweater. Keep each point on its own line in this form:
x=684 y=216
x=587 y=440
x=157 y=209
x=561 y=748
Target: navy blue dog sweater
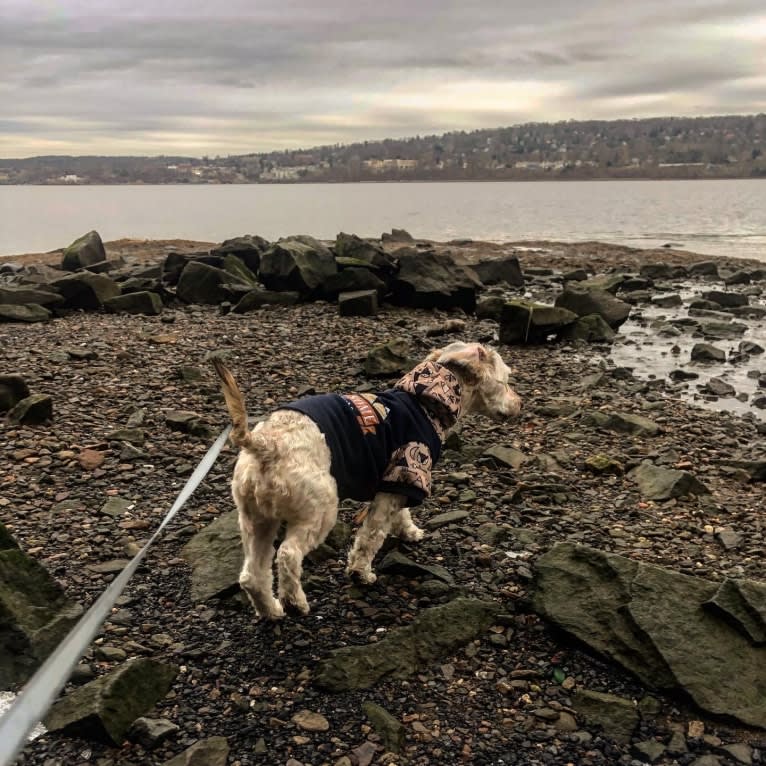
x=387 y=442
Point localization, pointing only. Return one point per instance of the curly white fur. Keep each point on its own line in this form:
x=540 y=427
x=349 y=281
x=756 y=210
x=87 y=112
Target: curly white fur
x=283 y=474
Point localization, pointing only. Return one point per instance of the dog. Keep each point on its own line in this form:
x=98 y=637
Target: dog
x=296 y=465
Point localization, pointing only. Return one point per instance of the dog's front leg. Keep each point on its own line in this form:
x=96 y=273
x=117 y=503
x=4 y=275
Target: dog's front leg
x=405 y=528
x=377 y=524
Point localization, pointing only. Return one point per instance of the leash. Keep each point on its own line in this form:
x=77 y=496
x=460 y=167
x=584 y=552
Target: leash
x=37 y=696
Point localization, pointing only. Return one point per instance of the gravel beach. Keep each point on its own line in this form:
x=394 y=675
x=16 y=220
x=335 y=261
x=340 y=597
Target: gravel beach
x=82 y=492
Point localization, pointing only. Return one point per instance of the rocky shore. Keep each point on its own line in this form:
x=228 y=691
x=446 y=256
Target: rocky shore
x=590 y=590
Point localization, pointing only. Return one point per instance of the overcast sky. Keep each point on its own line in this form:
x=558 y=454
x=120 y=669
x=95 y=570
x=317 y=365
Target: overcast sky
x=236 y=76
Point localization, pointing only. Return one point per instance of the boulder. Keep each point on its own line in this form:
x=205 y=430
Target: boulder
x=524 y=322
x=239 y=270
x=297 y=263
x=617 y=716
x=201 y=283
x=175 y=263
x=397 y=235
x=361 y=303
x=28 y=313
x=704 y=269
x=21 y=295
x=727 y=300
x=215 y=555
x=35 y=409
x=85 y=290
x=496 y=270
x=591 y=329
x=490 y=307
x=35 y=614
x=704 y=352
x=85 y=251
x=142 y=302
x=427 y=280
x=662 y=271
x=658 y=624
x=657 y=483
x=388 y=728
x=364 y=250
x=397 y=563
x=392 y=358
x=213 y=751
x=435 y=633
x=612 y=283
x=258 y=298
x=247 y=249
x=722 y=330
x=622 y=422
x=104 y=709
x=583 y=302
x=352 y=280
x=667 y=300
x=13 y=388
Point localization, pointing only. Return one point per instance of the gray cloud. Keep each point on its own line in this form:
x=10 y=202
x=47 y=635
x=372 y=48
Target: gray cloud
x=120 y=76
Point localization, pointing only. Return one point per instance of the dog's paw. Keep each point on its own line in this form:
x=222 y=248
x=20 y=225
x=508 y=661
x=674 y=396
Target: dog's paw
x=274 y=612
x=412 y=534
x=296 y=603
x=365 y=576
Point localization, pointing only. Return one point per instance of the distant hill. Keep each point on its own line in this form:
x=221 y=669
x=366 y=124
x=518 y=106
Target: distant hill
x=661 y=147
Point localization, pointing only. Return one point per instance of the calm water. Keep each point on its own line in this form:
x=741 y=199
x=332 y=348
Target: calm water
x=713 y=217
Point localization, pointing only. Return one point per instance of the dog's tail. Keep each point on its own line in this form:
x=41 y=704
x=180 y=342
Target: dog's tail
x=235 y=403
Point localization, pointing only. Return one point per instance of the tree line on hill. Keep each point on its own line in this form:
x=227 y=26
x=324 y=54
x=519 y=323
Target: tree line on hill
x=663 y=147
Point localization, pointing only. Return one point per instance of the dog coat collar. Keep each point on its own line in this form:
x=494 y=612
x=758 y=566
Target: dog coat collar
x=437 y=391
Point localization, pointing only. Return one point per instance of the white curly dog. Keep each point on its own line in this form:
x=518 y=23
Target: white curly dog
x=295 y=466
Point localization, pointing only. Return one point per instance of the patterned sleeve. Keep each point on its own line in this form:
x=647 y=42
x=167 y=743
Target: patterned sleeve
x=409 y=472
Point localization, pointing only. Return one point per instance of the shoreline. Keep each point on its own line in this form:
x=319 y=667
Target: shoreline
x=81 y=492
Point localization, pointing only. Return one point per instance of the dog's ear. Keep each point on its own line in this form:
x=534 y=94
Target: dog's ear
x=464 y=358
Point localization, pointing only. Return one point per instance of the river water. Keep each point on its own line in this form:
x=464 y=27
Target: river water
x=726 y=217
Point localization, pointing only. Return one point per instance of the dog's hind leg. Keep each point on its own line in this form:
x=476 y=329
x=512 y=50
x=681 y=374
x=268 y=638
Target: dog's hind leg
x=377 y=524
x=256 y=577
x=318 y=517
x=405 y=528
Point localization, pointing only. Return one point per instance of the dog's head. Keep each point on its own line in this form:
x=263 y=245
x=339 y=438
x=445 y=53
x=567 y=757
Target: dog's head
x=484 y=377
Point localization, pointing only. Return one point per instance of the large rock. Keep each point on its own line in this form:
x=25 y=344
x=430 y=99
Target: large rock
x=213 y=751
x=657 y=483
x=201 y=283
x=35 y=615
x=359 y=303
x=104 y=709
x=257 y=298
x=237 y=268
x=435 y=633
x=28 y=313
x=392 y=358
x=496 y=270
x=13 y=388
x=727 y=300
x=658 y=624
x=20 y=295
x=591 y=329
x=33 y=410
x=247 y=248
x=85 y=251
x=594 y=301
x=617 y=716
x=141 y=302
x=351 y=246
x=174 y=264
x=297 y=263
x=622 y=422
x=524 y=322
x=427 y=280
x=215 y=555
x=352 y=280
x=704 y=352
x=85 y=290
